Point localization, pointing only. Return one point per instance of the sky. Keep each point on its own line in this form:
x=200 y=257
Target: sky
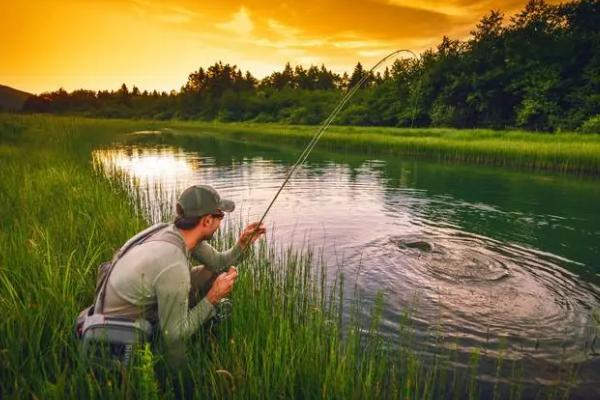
x=99 y=44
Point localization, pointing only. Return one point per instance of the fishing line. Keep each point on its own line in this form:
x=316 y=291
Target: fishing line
x=324 y=125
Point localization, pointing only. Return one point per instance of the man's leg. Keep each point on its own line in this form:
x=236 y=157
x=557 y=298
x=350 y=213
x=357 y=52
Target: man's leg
x=202 y=279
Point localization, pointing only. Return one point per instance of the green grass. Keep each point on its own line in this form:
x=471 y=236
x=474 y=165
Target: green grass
x=562 y=152
x=59 y=218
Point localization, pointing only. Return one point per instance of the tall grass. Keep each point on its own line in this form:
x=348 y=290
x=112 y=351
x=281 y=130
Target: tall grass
x=562 y=152
x=59 y=219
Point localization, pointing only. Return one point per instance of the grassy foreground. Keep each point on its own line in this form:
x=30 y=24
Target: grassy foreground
x=561 y=152
x=59 y=219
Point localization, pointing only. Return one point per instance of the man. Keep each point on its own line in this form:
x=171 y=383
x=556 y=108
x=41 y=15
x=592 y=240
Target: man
x=154 y=279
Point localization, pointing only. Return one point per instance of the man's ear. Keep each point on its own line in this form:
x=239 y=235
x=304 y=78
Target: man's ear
x=204 y=221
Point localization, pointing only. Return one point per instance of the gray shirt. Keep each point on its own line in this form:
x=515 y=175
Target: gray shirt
x=153 y=280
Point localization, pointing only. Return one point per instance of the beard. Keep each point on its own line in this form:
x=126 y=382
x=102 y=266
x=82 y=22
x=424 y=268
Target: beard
x=210 y=236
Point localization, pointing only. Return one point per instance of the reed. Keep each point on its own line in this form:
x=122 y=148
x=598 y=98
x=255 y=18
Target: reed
x=60 y=217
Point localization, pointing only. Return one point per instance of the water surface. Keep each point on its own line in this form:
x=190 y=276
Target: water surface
x=504 y=262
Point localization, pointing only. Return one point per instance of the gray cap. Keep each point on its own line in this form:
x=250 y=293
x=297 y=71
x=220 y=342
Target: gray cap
x=199 y=200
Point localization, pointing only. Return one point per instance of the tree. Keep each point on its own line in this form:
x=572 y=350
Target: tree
x=357 y=74
x=195 y=82
x=540 y=70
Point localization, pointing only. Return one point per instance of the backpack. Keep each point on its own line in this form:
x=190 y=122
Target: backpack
x=108 y=339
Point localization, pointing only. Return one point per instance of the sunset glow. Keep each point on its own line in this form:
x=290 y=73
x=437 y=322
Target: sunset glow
x=155 y=45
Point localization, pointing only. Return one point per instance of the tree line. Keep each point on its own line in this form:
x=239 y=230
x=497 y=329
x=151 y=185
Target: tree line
x=538 y=70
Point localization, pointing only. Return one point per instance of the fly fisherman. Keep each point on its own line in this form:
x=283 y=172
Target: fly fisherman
x=154 y=280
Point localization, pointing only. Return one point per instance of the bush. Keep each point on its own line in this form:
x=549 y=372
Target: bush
x=9 y=130
x=310 y=115
x=164 y=115
x=592 y=125
x=354 y=114
x=264 y=117
x=443 y=115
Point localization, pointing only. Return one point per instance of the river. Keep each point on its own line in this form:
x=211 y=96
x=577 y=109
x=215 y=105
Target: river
x=504 y=262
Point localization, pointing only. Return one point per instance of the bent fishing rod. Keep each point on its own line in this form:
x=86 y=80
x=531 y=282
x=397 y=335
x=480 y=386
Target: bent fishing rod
x=322 y=128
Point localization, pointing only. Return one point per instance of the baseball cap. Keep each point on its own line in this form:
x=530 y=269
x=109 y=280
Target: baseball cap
x=199 y=200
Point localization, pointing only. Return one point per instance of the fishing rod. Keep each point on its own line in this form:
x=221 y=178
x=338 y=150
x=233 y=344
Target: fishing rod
x=324 y=125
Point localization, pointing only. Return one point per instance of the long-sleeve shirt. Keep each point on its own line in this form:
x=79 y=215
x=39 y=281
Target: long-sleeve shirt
x=153 y=280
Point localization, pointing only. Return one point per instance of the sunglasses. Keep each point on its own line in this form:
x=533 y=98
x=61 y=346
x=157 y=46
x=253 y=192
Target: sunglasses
x=219 y=214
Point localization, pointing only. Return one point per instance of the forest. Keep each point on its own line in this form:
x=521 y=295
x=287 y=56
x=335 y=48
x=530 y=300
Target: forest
x=538 y=70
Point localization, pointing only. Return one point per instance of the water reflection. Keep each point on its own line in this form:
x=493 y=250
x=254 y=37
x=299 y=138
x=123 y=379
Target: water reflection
x=157 y=166
x=507 y=263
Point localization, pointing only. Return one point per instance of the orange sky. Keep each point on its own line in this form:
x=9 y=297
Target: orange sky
x=99 y=44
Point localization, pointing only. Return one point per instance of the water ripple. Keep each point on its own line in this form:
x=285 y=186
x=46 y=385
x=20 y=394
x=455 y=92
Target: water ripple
x=474 y=285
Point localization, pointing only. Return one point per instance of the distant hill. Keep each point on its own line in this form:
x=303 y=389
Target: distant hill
x=12 y=99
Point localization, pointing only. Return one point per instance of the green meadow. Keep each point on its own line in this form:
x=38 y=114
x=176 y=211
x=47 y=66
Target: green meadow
x=60 y=218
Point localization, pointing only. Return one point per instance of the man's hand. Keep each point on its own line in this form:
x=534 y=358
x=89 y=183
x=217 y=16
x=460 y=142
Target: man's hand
x=251 y=234
x=222 y=286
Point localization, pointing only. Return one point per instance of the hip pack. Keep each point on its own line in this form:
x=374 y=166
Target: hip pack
x=109 y=340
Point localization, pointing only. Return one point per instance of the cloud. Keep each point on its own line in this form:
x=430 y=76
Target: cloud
x=358 y=44
x=239 y=24
x=461 y=8
x=170 y=14
x=155 y=43
x=282 y=30
x=373 y=53
x=261 y=37
x=446 y=7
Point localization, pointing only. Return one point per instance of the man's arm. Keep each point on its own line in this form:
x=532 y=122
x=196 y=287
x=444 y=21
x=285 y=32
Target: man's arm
x=219 y=261
x=178 y=322
x=214 y=260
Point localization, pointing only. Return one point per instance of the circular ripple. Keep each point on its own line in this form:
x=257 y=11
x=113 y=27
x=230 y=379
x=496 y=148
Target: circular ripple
x=448 y=262
x=474 y=285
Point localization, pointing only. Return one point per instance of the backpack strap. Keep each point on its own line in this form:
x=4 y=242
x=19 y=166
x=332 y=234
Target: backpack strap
x=135 y=240
x=169 y=237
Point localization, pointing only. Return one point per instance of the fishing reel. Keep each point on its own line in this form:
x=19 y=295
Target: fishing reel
x=223 y=309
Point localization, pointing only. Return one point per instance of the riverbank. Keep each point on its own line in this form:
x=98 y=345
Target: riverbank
x=566 y=153
x=561 y=152
x=59 y=218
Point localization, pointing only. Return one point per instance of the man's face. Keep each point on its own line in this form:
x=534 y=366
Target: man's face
x=214 y=221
